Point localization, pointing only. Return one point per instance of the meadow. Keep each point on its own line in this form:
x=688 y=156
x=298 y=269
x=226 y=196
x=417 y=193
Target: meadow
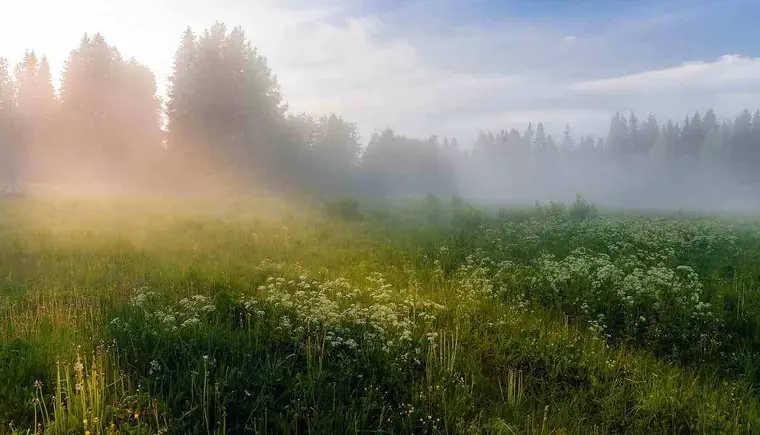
x=145 y=316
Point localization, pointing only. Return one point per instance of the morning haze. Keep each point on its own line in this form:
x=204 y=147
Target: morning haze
x=225 y=122
x=425 y=217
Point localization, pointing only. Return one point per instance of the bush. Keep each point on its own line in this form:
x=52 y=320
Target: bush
x=659 y=308
x=346 y=209
x=457 y=202
x=582 y=210
x=433 y=208
x=553 y=211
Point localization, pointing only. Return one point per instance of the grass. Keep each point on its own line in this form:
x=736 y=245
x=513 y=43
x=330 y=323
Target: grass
x=257 y=316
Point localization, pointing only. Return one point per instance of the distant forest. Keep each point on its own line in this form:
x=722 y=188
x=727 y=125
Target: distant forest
x=226 y=127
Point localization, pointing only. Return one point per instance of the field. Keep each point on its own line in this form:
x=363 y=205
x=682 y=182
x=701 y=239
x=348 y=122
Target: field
x=142 y=316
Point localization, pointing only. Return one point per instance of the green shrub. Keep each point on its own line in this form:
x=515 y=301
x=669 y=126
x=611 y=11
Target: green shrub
x=582 y=209
x=433 y=208
x=346 y=209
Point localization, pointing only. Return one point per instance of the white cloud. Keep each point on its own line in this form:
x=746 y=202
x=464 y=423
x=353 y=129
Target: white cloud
x=728 y=85
x=724 y=74
x=376 y=81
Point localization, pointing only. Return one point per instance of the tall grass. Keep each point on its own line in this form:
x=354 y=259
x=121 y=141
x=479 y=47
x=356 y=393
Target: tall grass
x=138 y=316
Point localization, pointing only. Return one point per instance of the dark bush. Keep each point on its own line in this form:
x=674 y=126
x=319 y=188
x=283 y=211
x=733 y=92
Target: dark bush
x=346 y=209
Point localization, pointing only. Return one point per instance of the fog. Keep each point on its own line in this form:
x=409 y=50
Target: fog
x=225 y=129
x=703 y=163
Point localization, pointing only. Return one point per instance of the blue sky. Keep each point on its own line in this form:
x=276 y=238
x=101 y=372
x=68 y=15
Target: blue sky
x=555 y=46
x=638 y=33
x=448 y=67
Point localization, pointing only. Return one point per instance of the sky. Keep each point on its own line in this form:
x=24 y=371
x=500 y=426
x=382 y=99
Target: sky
x=446 y=67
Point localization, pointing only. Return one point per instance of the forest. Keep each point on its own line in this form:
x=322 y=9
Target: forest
x=225 y=126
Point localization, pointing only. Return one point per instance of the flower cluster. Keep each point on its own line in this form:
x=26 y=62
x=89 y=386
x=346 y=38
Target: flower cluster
x=345 y=316
x=625 y=299
x=186 y=313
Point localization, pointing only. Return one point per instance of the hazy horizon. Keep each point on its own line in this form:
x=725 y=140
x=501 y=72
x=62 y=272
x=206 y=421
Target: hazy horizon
x=384 y=99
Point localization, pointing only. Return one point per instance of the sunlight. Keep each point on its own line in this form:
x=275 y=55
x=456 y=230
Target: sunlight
x=341 y=217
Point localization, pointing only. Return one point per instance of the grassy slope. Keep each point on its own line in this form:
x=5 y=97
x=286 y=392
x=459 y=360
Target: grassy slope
x=420 y=347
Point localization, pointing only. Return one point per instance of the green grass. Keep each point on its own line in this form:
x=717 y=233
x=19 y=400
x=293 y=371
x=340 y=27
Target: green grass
x=257 y=316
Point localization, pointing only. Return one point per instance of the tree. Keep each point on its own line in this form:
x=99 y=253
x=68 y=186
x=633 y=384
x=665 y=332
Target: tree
x=28 y=107
x=528 y=136
x=225 y=106
x=111 y=112
x=8 y=131
x=633 y=143
x=650 y=131
x=695 y=136
x=26 y=83
x=137 y=122
x=43 y=146
x=658 y=154
x=617 y=139
x=182 y=92
x=713 y=139
x=567 y=138
x=334 y=151
x=400 y=166
x=36 y=103
x=539 y=141
x=47 y=99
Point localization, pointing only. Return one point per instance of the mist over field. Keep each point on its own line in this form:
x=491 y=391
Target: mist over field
x=225 y=127
x=382 y=217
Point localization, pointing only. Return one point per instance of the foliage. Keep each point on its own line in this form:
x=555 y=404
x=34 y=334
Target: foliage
x=109 y=117
x=582 y=209
x=346 y=209
x=433 y=208
x=268 y=318
x=227 y=129
x=226 y=110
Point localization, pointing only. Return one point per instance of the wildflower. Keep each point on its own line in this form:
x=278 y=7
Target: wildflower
x=190 y=322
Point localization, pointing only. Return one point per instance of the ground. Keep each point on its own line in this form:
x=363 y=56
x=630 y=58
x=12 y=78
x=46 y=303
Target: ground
x=262 y=315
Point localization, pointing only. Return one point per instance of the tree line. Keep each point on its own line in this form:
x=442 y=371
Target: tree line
x=697 y=162
x=225 y=125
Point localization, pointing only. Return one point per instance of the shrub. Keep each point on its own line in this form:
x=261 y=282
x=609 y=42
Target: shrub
x=433 y=208
x=582 y=210
x=554 y=211
x=457 y=202
x=346 y=209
